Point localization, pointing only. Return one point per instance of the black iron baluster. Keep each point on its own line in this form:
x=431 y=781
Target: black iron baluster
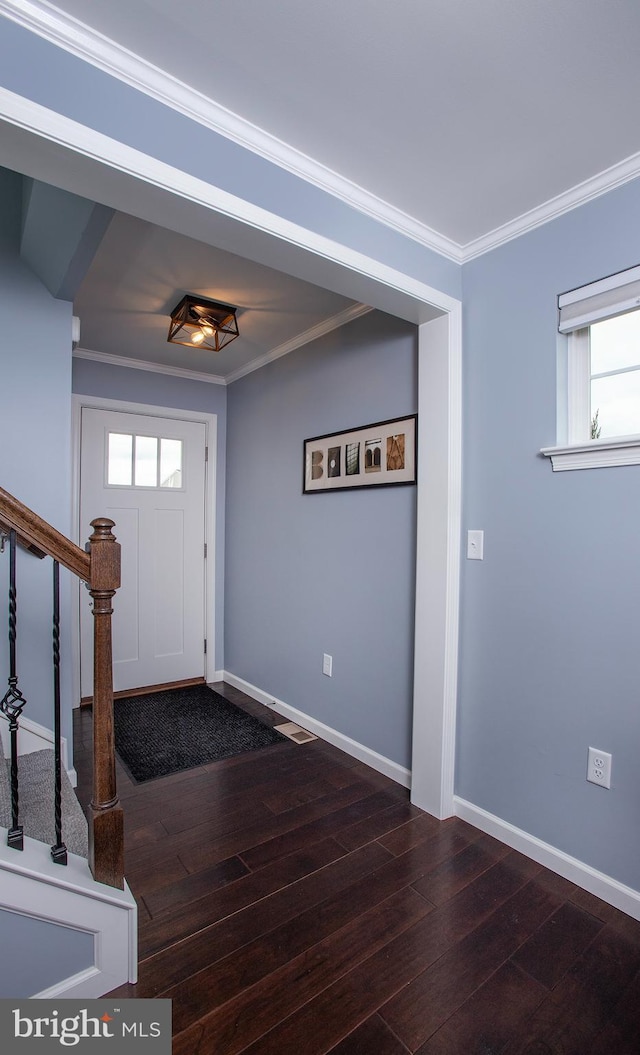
x=13 y=701
x=59 y=850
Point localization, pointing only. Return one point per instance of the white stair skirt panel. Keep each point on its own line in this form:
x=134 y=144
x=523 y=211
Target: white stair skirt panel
x=324 y=732
x=602 y=886
x=35 y=737
x=32 y=885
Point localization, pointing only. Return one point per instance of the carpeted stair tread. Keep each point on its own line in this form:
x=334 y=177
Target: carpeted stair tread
x=36 y=786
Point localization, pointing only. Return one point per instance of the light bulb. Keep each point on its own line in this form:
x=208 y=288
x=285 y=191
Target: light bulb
x=206 y=328
x=197 y=337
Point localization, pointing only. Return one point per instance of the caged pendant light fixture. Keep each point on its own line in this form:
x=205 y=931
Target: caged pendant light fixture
x=201 y=323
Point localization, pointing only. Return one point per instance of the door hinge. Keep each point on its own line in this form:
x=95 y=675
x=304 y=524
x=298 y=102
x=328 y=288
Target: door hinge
x=205 y=646
x=205 y=551
x=206 y=454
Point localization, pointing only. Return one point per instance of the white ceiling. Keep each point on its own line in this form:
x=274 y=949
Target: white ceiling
x=141 y=271
x=457 y=121
x=461 y=114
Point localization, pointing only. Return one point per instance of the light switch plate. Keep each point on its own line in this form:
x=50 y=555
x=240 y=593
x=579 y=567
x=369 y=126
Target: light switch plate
x=475 y=545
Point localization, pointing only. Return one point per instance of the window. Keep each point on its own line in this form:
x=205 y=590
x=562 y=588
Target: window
x=601 y=322
x=143 y=461
x=614 y=383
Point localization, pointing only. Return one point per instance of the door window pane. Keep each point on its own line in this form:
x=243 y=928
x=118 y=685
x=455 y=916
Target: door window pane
x=170 y=463
x=119 y=459
x=143 y=461
x=146 y=461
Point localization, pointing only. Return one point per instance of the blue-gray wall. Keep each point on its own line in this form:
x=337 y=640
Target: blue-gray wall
x=309 y=574
x=549 y=661
x=61 y=953
x=35 y=444
x=160 y=390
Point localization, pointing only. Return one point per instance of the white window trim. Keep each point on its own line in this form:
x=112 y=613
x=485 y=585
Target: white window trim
x=578 y=388
x=584 y=306
x=609 y=296
x=596 y=454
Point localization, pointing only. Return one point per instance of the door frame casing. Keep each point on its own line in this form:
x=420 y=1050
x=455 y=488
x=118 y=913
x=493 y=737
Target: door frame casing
x=53 y=147
x=210 y=421
x=438 y=554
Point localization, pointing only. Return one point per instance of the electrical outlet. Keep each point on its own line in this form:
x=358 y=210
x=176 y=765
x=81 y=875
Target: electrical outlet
x=599 y=767
x=327 y=665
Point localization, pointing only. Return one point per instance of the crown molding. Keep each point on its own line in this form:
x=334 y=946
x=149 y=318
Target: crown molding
x=152 y=368
x=615 y=176
x=66 y=32
x=87 y=142
x=355 y=311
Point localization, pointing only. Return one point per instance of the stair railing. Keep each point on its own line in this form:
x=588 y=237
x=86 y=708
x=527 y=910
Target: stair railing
x=99 y=567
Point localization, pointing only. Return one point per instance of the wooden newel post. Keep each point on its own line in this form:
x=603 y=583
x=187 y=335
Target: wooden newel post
x=106 y=827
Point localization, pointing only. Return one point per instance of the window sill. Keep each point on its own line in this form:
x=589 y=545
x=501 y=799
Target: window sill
x=594 y=455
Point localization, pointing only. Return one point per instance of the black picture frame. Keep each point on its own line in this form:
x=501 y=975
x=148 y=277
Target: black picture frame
x=383 y=454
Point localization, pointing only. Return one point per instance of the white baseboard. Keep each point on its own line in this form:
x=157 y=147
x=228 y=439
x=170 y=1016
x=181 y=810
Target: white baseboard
x=325 y=732
x=32 y=885
x=603 y=886
x=77 y=987
x=35 y=737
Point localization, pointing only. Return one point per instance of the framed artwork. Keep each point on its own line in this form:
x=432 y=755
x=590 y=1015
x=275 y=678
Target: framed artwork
x=370 y=456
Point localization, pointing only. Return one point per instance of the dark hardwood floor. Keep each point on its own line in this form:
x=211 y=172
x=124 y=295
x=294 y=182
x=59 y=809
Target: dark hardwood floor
x=293 y=901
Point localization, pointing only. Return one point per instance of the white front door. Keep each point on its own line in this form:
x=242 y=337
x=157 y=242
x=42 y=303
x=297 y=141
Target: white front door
x=148 y=475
